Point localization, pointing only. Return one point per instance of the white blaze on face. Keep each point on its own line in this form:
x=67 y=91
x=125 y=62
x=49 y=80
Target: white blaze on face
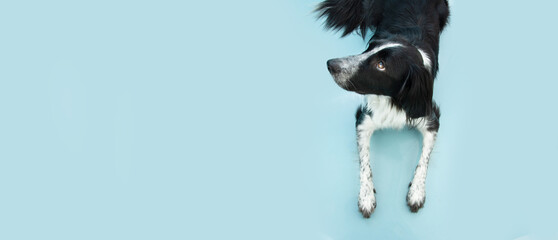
x=350 y=65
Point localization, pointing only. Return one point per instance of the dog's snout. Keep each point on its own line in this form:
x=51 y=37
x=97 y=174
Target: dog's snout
x=334 y=66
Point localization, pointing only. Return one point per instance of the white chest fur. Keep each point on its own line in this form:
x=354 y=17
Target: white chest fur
x=385 y=115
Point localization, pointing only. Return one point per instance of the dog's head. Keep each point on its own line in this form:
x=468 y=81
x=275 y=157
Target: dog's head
x=391 y=68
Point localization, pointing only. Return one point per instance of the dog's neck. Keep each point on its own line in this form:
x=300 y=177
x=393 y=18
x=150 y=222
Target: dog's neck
x=380 y=103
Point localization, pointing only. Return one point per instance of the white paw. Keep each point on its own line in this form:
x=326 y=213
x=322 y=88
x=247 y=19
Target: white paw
x=367 y=203
x=416 y=197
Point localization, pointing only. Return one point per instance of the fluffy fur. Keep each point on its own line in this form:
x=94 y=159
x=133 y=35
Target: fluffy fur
x=395 y=74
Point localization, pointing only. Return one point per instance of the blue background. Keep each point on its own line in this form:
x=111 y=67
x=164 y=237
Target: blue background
x=219 y=120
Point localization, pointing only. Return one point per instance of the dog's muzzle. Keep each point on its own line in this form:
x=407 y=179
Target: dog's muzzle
x=334 y=66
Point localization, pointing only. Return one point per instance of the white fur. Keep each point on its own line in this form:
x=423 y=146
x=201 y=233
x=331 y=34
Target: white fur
x=366 y=198
x=387 y=116
x=384 y=115
x=426 y=60
x=417 y=191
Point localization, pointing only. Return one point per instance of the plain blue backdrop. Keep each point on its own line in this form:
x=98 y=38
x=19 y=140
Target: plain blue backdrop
x=219 y=120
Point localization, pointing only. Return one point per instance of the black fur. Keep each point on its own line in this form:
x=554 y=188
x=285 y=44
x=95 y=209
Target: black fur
x=433 y=123
x=351 y=15
x=346 y=15
x=360 y=113
x=415 y=96
x=414 y=24
x=401 y=62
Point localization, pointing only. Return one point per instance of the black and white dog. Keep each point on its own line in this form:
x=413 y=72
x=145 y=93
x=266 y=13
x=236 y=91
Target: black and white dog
x=395 y=74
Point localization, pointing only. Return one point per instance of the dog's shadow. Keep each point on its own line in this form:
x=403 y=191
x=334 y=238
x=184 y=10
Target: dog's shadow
x=394 y=155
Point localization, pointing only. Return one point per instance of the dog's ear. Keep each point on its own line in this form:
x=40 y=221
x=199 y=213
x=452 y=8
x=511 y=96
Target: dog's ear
x=345 y=15
x=415 y=96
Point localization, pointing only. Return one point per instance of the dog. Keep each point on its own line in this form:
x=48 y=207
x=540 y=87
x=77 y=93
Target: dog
x=395 y=74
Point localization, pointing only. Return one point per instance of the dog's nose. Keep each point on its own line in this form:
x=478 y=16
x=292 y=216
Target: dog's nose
x=334 y=66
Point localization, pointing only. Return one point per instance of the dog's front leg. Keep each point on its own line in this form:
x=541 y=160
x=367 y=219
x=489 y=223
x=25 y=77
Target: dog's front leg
x=417 y=191
x=366 y=198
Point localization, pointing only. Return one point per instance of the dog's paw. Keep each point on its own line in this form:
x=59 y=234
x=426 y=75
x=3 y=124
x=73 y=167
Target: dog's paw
x=416 y=197
x=366 y=205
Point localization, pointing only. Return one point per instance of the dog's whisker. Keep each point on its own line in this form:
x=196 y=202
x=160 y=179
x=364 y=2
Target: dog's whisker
x=349 y=80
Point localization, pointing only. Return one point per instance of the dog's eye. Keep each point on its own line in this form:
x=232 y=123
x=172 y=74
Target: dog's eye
x=381 y=66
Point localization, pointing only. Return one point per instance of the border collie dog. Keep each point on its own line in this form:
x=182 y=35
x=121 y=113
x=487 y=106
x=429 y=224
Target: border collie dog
x=395 y=74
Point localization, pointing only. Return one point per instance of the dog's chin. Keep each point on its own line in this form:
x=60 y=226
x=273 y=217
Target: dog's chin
x=346 y=85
